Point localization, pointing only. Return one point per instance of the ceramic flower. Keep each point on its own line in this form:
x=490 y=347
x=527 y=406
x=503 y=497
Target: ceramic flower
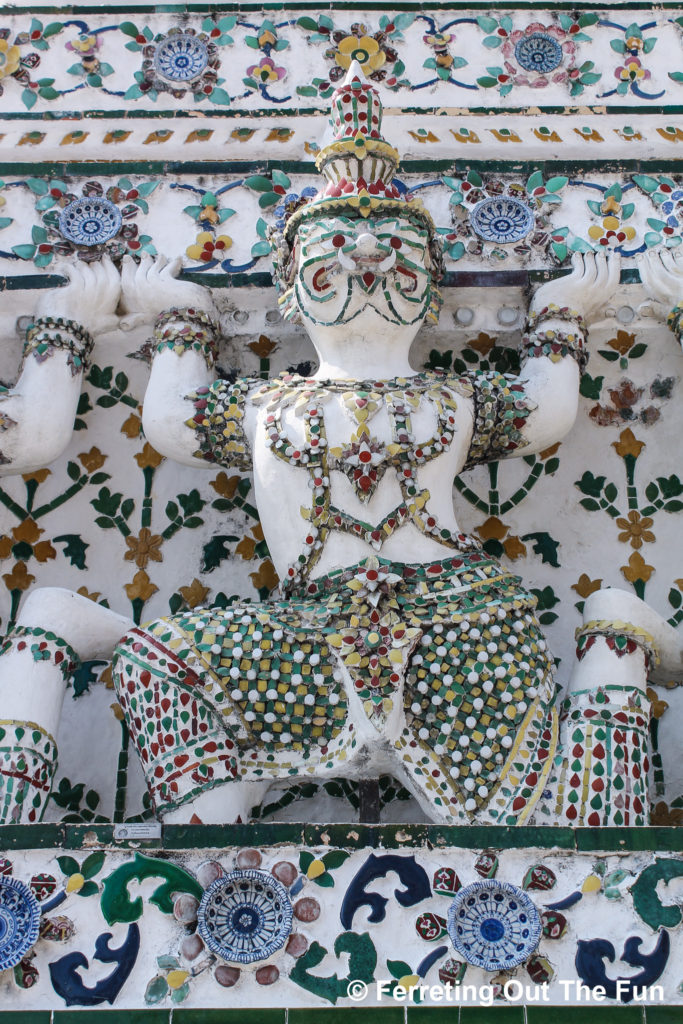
x=208 y=248
x=9 y=59
x=633 y=71
x=266 y=71
x=365 y=50
x=84 y=43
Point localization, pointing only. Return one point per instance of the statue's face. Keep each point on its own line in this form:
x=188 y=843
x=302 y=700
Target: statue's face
x=373 y=271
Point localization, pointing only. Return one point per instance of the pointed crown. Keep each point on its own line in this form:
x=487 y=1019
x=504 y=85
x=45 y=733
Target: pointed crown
x=359 y=164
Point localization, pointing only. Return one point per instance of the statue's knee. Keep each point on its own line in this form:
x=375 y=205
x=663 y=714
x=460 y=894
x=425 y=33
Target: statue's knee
x=613 y=651
x=620 y=609
x=86 y=626
x=185 y=746
x=46 y=606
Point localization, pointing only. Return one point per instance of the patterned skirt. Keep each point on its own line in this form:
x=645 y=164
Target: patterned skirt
x=443 y=664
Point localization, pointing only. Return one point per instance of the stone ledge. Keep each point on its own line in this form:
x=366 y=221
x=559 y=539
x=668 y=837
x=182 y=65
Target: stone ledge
x=349 y=836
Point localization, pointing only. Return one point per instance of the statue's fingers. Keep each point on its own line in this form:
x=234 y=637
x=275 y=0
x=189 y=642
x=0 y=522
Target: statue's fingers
x=577 y=262
x=601 y=271
x=158 y=266
x=111 y=280
x=591 y=268
x=81 y=276
x=651 y=271
x=613 y=272
x=96 y=274
x=63 y=268
x=173 y=267
x=668 y=261
x=644 y=264
x=128 y=271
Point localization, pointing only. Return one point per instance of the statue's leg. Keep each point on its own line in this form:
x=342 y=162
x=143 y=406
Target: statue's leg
x=220 y=703
x=185 y=746
x=55 y=630
x=481 y=728
x=602 y=773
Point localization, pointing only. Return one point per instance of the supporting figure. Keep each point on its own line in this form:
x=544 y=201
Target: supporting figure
x=36 y=422
x=55 y=359
x=395 y=644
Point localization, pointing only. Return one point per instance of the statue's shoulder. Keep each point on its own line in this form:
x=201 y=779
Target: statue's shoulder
x=218 y=421
x=286 y=388
x=226 y=391
x=501 y=408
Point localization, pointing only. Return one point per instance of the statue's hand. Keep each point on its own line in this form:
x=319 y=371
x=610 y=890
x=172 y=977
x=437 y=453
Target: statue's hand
x=89 y=297
x=594 y=278
x=661 y=272
x=151 y=286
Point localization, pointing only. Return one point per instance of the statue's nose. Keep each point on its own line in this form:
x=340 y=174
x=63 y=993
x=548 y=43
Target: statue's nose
x=366 y=244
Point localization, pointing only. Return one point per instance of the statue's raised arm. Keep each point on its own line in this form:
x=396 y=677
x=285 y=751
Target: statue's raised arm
x=55 y=358
x=553 y=348
x=183 y=357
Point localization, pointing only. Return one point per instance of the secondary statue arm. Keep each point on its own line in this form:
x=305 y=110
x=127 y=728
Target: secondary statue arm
x=184 y=351
x=553 y=346
x=37 y=414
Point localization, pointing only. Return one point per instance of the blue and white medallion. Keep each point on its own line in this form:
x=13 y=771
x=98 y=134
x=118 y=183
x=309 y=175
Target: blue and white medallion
x=494 y=925
x=539 y=52
x=502 y=219
x=19 y=921
x=181 y=58
x=90 y=221
x=245 y=916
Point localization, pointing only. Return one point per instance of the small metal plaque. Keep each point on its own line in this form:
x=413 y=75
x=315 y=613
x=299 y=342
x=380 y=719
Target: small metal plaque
x=145 y=830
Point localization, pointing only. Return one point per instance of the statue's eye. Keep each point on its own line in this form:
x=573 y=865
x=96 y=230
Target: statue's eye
x=395 y=242
x=338 y=241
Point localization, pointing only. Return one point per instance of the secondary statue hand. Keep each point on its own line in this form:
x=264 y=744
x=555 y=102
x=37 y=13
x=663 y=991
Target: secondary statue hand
x=89 y=297
x=151 y=286
x=661 y=272
x=593 y=280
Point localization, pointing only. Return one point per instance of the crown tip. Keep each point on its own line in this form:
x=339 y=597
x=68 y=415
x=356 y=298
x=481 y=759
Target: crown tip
x=355 y=74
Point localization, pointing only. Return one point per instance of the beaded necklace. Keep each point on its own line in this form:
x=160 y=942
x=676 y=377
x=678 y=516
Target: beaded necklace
x=364 y=460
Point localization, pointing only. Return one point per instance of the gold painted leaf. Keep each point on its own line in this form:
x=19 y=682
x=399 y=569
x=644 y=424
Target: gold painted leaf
x=92 y=460
x=148 y=457
x=585 y=586
x=628 y=444
x=140 y=587
x=195 y=594
x=225 y=486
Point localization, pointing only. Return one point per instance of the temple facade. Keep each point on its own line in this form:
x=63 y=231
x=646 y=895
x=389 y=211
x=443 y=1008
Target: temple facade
x=341 y=587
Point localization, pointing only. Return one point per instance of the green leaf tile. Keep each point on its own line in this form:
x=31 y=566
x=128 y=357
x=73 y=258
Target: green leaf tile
x=493 y=1015
x=25 y=1017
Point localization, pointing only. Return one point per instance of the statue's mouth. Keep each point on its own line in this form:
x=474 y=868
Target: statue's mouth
x=361 y=264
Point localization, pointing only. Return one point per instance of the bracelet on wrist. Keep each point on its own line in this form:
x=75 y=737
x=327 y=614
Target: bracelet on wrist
x=187 y=314
x=183 y=330
x=47 y=335
x=675 y=320
x=553 y=312
x=555 y=345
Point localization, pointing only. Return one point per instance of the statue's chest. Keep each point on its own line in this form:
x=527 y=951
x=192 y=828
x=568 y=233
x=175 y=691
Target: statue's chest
x=358 y=430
